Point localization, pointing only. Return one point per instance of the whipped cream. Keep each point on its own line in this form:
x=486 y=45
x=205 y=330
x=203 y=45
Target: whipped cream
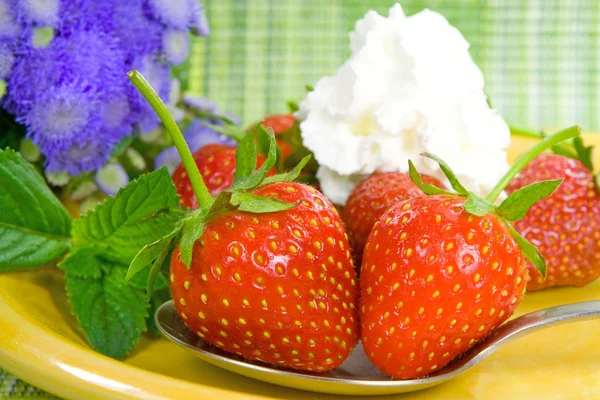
x=409 y=86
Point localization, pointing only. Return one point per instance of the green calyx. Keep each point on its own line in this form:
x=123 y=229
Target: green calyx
x=247 y=177
x=515 y=206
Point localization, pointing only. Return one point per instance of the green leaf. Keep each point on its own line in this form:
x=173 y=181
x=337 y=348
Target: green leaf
x=221 y=204
x=309 y=88
x=264 y=144
x=584 y=152
x=299 y=151
x=293 y=106
x=151 y=251
x=111 y=312
x=477 y=206
x=564 y=150
x=85 y=262
x=288 y=176
x=259 y=204
x=426 y=188
x=529 y=250
x=142 y=212
x=34 y=226
x=230 y=130
x=456 y=185
x=256 y=178
x=515 y=206
x=11 y=132
x=245 y=158
x=193 y=228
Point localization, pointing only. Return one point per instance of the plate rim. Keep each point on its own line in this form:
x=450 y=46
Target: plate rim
x=53 y=363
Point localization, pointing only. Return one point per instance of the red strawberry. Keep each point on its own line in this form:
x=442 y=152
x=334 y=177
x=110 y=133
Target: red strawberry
x=434 y=280
x=216 y=163
x=565 y=227
x=276 y=287
x=279 y=123
x=440 y=272
x=371 y=198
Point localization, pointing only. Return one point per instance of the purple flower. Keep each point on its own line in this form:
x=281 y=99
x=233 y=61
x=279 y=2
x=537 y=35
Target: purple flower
x=199 y=103
x=174 y=13
x=87 y=156
x=7 y=59
x=73 y=95
x=169 y=157
x=137 y=33
x=199 y=23
x=39 y=12
x=111 y=178
x=198 y=135
x=60 y=118
x=175 y=46
x=9 y=28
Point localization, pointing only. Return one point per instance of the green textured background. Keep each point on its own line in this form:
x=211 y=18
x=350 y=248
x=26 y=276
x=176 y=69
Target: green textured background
x=540 y=60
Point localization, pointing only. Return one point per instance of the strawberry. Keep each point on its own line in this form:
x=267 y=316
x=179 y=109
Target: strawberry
x=434 y=291
x=279 y=123
x=565 y=226
x=442 y=271
x=263 y=270
x=277 y=287
x=216 y=163
x=371 y=198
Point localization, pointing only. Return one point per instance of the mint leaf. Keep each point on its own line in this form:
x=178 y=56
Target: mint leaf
x=515 y=206
x=111 y=313
x=85 y=262
x=425 y=187
x=142 y=212
x=529 y=250
x=34 y=226
x=456 y=185
x=259 y=204
x=245 y=157
x=288 y=176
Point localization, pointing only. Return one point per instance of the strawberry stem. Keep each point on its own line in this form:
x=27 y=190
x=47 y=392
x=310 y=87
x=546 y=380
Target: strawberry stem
x=532 y=153
x=205 y=200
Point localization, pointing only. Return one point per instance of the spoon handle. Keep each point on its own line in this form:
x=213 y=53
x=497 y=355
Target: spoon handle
x=527 y=324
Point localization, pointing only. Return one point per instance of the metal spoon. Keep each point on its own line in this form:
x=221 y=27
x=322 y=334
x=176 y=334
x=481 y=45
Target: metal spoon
x=357 y=376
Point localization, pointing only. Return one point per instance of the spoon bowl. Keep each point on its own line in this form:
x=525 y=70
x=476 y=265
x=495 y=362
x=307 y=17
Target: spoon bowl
x=357 y=376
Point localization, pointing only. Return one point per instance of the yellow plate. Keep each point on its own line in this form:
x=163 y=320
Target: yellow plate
x=40 y=343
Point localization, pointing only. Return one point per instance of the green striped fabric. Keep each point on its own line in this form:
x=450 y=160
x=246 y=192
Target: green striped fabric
x=540 y=59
